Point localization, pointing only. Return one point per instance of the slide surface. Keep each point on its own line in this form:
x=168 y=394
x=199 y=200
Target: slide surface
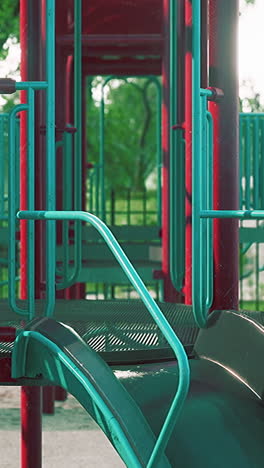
x=52 y=351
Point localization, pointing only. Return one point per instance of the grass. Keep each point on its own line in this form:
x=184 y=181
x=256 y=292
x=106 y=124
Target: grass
x=252 y=305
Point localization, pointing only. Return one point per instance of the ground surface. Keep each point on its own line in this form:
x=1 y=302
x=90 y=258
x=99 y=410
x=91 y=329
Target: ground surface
x=70 y=438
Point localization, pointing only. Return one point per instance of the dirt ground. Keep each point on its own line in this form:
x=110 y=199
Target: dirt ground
x=70 y=438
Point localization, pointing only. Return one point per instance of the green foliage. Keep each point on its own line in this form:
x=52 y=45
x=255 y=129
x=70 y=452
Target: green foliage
x=252 y=101
x=9 y=20
x=130 y=132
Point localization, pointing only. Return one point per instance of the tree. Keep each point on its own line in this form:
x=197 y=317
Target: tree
x=9 y=20
x=130 y=132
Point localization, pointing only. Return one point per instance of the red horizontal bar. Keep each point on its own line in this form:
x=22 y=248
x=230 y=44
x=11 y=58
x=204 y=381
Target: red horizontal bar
x=7 y=334
x=109 y=44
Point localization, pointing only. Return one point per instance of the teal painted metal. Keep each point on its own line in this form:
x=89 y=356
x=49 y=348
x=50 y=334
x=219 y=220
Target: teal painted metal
x=238 y=214
x=202 y=281
x=12 y=187
x=31 y=202
x=251 y=160
x=159 y=149
x=31 y=87
x=55 y=354
x=152 y=307
x=177 y=166
x=67 y=204
x=198 y=303
x=50 y=154
x=210 y=256
x=3 y=158
x=101 y=188
x=78 y=135
x=21 y=85
x=252 y=197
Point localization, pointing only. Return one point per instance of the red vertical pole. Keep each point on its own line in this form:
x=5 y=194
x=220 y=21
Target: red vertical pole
x=48 y=397
x=223 y=21
x=31 y=422
x=170 y=294
x=188 y=151
x=30 y=396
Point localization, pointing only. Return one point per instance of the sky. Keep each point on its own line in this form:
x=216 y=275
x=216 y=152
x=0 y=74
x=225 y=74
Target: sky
x=251 y=57
x=251 y=45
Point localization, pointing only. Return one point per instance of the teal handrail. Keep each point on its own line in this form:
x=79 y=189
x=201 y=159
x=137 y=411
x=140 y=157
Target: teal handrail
x=134 y=278
x=202 y=278
x=69 y=280
x=177 y=166
x=12 y=211
x=31 y=87
x=77 y=140
x=66 y=145
x=50 y=152
x=202 y=204
x=3 y=153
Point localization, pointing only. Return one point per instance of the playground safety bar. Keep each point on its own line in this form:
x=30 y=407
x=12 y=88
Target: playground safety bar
x=202 y=231
x=152 y=307
x=177 y=165
x=202 y=175
x=31 y=87
x=3 y=151
x=68 y=280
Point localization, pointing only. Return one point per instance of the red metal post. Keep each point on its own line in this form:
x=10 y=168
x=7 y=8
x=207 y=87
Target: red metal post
x=30 y=397
x=223 y=74
x=188 y=151
x=48 y=397
x=31 y=422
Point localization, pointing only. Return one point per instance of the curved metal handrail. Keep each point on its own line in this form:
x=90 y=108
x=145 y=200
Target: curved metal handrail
x=154 y=310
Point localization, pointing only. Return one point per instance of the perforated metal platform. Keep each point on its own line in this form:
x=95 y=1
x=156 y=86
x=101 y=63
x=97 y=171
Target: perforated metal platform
x=121 y=331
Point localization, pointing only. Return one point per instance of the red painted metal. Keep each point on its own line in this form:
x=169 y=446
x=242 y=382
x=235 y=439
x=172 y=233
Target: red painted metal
x=30 y=397
x=31 y=427
x=7 y=334
x=60 y=394
x=188 y=153
x=122 y=66
x=48 y=399
x=127 y=45
x=119 y=16
x=223 y=17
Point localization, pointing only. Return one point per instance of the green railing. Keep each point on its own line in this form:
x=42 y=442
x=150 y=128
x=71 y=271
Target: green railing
x=29 y=108
x=251 y=160
x=72 y=165
x=251 y=195
x=177 y=165
x=202 y=213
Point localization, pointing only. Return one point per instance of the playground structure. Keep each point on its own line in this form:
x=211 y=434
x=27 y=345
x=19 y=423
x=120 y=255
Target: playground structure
x=173 y=382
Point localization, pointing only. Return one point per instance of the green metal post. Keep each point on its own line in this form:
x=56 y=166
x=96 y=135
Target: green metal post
x=50 y=154
x=101 y=175
x=31 y=203
x=177 y=183
x=78 y=126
